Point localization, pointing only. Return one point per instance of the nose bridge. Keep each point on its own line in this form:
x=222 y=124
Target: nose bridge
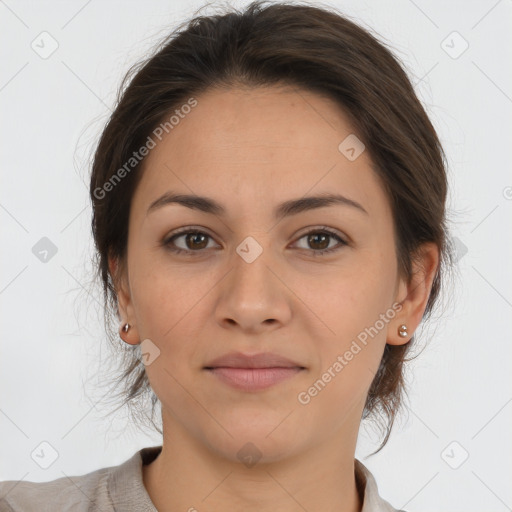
x=253 y=294
x=251 y=261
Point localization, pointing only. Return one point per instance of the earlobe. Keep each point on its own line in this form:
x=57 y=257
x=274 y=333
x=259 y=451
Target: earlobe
x=400 y=336
x=413 y=296
x=127 y=330
x=130 y=339
x=402 y=331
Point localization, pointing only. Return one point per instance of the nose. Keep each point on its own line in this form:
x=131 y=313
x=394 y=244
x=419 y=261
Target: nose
x=253 y=297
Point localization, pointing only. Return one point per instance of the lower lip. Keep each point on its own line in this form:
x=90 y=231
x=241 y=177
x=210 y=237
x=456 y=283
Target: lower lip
x=253 y=379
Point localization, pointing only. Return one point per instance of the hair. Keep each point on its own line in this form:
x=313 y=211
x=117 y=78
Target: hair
x=303 y=46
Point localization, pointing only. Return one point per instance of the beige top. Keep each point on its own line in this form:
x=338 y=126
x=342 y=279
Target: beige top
x=121 y=489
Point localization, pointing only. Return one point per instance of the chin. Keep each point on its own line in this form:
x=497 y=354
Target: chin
x=257 y=440
x=250 y=451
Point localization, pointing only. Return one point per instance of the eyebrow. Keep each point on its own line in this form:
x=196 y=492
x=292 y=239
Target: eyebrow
x=286 y=209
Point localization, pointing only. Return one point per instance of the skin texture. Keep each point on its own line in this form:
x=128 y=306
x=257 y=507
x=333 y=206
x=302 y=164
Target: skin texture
x=251 y=149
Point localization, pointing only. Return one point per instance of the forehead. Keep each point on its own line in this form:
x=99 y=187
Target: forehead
x=264 y=145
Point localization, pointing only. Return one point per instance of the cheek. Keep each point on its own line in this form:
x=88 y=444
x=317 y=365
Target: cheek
x=167 y=307
x=355 y=308
x=164 y=296
x=350 y=298
x=172 y=306
x=349 y=359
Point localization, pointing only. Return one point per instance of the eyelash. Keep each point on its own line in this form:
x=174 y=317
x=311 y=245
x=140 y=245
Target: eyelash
x=168 y=242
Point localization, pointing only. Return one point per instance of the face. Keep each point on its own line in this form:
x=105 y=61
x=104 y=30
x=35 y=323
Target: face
x=247 y=281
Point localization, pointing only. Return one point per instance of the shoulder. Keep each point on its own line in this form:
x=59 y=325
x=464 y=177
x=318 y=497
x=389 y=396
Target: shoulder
x=369 y=491
x=104 y=490
x=78 y=493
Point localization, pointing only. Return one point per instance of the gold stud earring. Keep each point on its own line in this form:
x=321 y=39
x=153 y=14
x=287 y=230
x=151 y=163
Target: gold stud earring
x=126 y=327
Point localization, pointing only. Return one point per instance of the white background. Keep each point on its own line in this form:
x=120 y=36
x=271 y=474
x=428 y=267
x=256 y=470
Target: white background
x=52 y=111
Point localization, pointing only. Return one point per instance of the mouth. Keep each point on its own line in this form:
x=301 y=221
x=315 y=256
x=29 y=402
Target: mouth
x=253 y=379
x=253 y=372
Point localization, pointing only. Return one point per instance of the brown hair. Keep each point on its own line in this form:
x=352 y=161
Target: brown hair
x=311 y=48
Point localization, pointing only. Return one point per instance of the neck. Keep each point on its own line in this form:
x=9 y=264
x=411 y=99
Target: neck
x=187 y=476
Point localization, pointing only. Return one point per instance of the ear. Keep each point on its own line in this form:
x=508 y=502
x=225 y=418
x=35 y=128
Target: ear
x=119 y=276
x=413 y=295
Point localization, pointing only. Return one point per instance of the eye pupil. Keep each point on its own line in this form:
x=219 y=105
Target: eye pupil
x=324 y=236
x=194 y=237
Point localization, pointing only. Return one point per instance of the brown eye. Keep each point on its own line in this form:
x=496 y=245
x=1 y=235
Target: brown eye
x=190 y=241
x=196 y=240
x=318 y=242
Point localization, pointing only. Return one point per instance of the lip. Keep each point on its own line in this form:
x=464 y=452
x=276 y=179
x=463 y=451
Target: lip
x=253 y=372
x=253 y=379
x=261 y=360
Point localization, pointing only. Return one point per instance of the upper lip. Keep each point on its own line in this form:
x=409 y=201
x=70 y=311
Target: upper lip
x=261 y=360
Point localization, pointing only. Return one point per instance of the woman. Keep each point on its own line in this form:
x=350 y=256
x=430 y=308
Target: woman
x=269 y=215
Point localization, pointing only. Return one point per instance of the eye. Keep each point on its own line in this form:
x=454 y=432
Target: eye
x=320 y=239
x=195 y=241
